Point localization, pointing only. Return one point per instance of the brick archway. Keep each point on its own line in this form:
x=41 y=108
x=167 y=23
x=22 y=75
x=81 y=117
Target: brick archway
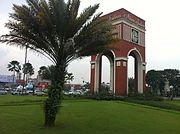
x=130 y=30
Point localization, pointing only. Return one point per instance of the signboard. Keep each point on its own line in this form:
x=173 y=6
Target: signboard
x=20 y=82
x=7 y=78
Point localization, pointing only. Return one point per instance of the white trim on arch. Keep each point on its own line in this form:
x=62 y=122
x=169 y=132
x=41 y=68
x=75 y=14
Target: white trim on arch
x=97 y=56
x=135 y=49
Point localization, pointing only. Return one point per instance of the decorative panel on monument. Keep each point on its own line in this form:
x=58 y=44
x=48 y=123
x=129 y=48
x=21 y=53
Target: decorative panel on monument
x=116 y=32
x=142 y=38
x=126 y=32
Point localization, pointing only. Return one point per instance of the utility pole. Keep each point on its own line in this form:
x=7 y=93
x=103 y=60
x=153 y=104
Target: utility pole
x=25 y=60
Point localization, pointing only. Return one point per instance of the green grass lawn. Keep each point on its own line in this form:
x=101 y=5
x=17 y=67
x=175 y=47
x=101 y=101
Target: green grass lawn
x=23 y=115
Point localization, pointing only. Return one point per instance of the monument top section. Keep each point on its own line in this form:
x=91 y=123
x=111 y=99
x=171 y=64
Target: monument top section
x=124 y=15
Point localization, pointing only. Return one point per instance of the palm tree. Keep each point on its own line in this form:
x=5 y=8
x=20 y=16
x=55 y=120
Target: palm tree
x=69 y=77
x=47 y=72
x=41 y=71
x=28 y=70
x=14 y=66
x=55 y=29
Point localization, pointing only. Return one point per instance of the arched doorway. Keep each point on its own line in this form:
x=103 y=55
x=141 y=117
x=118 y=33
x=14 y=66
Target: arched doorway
x=105 y=75
x=138 y=71
x=98 y=71
x=130 y=74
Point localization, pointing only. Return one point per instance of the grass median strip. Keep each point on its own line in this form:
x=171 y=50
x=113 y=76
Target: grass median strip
x=84 y=116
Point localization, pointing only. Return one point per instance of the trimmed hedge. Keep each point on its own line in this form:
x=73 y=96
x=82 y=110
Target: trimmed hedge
x=146 y=99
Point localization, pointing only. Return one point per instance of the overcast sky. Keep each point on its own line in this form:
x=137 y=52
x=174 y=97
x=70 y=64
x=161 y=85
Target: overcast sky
x=162 y=36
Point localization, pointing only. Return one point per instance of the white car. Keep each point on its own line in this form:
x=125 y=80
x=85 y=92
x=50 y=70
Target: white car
x=65 y=93
x=3 y=91
x=39 y=93
x=18 y=92
x=15 y=92
x=71 y=93
x=29 y=91
x=78 y=92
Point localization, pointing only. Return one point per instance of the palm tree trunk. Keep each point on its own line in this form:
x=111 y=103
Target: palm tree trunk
x=53 y=102
x=13 y=76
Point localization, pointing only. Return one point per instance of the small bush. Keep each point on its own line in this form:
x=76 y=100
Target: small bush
x=148 y=99
x=147 y=96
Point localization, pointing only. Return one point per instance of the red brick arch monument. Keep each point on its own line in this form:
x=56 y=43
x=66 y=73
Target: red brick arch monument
x=130 y=30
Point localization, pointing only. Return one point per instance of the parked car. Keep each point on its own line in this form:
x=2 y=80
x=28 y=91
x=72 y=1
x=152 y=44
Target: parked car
x=29 y=91
x=39 y=93
x=65 y=92
x=2 y=92
x=15 y=92
x=8 y=89
x=78 y=92
x=73 y=92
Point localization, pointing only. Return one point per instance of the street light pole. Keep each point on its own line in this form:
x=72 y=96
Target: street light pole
x=25 y=60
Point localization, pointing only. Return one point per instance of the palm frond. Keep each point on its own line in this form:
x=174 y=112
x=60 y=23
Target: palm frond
x=33 y=5
x=83 y=18
x=47 y=26
x=94 y=37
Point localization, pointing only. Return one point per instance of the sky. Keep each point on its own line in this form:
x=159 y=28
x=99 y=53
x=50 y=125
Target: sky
x=162 y=37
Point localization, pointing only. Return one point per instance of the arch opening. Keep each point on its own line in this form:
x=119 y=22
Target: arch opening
x=138 y=74
x=130 y=70
x=103 y=73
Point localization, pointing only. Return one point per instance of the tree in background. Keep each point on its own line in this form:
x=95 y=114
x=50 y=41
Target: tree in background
x=28 y=70
x=86 y=85
x=131 y=85
x=49 y=72
x=155 y=79
x=69 y=77
x=173 y=76
x=14 y=66
x=41 y=71
x=57 y=30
